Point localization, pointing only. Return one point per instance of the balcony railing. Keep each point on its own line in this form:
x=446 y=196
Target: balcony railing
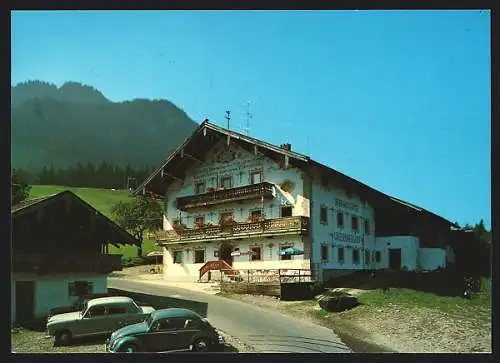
x=253 y=191
x=268 y=227
x=45 y=264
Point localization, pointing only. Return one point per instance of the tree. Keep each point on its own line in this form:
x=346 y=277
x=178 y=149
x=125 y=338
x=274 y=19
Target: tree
x=20 y=189
x=137 y=216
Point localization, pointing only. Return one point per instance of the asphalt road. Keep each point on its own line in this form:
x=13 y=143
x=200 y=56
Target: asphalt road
x=266 y=331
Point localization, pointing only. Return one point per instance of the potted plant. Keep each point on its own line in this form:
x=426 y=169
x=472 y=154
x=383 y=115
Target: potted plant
x=226 y=221
x=178 y=227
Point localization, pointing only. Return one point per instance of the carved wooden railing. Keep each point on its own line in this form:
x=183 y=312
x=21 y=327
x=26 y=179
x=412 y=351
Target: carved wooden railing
x=44 y=264
x=297 y=224
x=219 y=265
x=252 y=191
x=273 y=276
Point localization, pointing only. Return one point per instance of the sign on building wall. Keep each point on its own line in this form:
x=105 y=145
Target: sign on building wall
x=339 y=203
x=347 y=237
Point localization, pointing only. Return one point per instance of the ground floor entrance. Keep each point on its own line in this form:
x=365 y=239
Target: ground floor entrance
x=395 y=258
x=225 y=253
x=25 y=300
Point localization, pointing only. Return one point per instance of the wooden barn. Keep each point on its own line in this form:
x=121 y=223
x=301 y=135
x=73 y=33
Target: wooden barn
x=59 y=251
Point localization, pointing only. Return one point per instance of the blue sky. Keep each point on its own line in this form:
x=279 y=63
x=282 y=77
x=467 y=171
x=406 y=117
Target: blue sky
x=399 y=100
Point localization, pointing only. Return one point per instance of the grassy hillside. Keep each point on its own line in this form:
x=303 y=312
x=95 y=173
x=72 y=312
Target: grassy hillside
x=102 y=200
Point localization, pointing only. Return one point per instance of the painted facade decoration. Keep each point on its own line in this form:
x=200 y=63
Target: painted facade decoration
x=226 y=169
x=244 y=201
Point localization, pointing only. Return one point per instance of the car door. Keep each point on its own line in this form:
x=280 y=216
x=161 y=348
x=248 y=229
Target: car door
x=191 y=328
x=117 y=317
x=93 y=322
x=164 y=335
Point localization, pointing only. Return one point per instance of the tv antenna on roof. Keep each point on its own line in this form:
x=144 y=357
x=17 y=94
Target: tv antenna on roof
x=249 y=116
x=228 y=117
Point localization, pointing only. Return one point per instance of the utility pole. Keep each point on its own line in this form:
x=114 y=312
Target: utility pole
x=228 y=117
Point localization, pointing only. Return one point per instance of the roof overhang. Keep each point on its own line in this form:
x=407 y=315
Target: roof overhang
x=206 y=135
x=118 y=235
x=192 y=151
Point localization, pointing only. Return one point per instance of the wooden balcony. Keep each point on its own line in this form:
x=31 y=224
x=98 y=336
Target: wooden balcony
x=268 y=227
x=247 y=192
x=47 y=264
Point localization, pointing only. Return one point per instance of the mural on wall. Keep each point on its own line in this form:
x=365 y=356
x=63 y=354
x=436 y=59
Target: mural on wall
x=228 y=162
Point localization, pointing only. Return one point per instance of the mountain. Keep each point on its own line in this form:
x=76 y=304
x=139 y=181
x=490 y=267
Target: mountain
x=77 y=123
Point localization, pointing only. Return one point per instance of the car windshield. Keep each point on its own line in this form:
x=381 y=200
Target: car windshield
x=84 y=307
x=149 y=320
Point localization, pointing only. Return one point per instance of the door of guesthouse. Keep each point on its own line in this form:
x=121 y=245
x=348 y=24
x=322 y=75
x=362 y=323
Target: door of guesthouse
x=225 y=253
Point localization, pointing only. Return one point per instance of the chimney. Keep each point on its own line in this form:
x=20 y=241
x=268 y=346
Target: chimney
x=286 y=147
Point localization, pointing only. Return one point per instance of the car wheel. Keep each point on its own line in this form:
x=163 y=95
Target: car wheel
x=201 y=345
x=62 y=338
x=129 y=348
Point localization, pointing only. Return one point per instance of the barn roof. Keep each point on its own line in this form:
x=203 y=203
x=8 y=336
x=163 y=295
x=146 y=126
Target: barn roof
x=195 y=146
x=118 y=235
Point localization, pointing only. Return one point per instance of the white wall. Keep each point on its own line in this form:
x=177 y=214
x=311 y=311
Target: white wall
x=409 y=246
x=189 y=271
x=431 y=258
x=239 y=169
x=52 y=291
x=334 y=236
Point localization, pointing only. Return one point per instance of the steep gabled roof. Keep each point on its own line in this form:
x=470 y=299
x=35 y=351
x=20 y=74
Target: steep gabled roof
x=198 y=143
x=121 y=236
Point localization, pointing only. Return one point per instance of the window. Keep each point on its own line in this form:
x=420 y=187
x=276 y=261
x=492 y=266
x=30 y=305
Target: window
x=199 y=188
x=377 y=256
x=323 y=215
x=340 y=219
x=178 y=256
x=199 y=221
x=117 y=310
x=199 y=256
x=256 y=254
x=324 y=252
x=226 y=182
x=355 y=256
x=286 y=211
x=286 y=257
x=169 y=324
x=192 y=324
x=226 y=218
x=79 y=288
x=367 y=227
x=367 y=257
x=341 y=254
x=256 y=213
x=255 y=177
x=354 y=223
x=97 y=311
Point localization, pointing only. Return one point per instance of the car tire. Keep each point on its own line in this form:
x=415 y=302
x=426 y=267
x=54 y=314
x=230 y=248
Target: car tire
x=128 y=348
x=201 y=345
x=62 y=337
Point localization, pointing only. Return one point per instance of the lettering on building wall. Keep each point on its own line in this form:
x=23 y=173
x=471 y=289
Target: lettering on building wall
x=345 y=237
x=346 y=205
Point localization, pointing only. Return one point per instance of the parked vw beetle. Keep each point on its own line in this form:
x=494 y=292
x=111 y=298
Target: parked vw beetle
x=167 y=330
